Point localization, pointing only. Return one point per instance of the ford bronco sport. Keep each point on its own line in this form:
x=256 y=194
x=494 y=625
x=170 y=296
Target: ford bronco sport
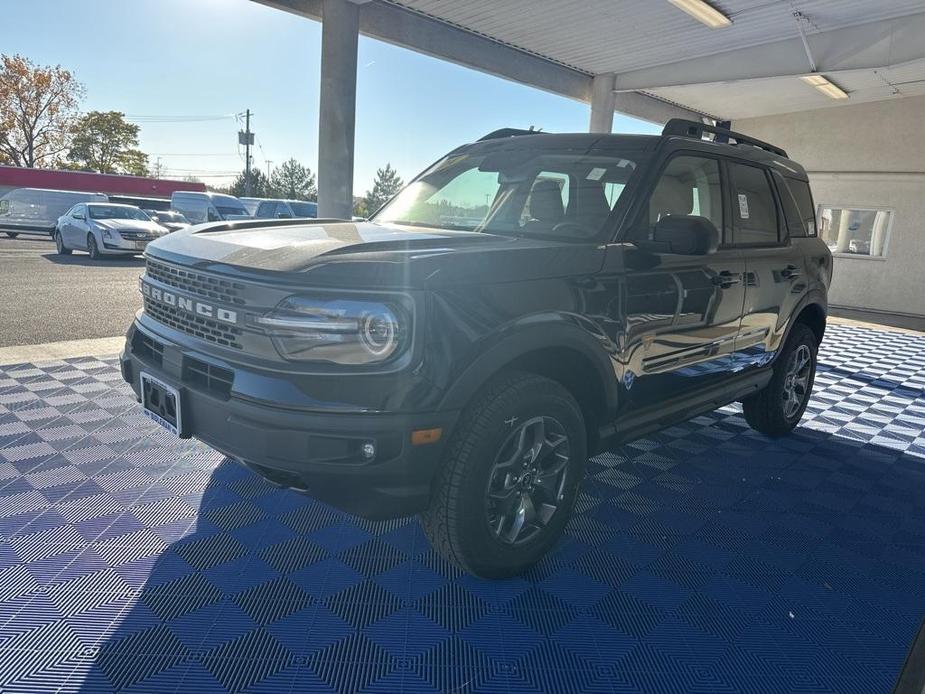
x=528 y=300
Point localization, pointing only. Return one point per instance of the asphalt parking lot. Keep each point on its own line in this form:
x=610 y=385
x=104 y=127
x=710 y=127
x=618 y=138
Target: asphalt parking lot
x=45 y=297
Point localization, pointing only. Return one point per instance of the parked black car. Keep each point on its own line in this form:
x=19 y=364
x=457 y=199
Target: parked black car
x=527 y=301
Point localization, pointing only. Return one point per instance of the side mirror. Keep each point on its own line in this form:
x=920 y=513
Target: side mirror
x=681 y=235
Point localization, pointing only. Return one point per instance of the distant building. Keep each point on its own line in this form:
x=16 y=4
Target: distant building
x=112 y=184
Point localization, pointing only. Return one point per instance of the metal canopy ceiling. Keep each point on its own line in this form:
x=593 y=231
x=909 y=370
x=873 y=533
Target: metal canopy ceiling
x=650 y=43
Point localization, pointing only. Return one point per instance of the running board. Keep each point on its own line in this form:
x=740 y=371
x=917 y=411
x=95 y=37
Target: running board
x=637 y=424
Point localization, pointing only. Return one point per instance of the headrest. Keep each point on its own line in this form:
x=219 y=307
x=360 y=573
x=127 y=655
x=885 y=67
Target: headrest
x=546 y=202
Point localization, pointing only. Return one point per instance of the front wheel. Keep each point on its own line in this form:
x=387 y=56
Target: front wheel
x=92 y=248
x=778 y=407
x=59 y=244
x=509 y=478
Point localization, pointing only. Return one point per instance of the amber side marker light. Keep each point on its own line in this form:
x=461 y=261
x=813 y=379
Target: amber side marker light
x=424 y=436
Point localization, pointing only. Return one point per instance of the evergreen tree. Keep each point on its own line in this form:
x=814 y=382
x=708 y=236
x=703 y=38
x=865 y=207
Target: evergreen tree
x=292 y=181
x=386 y=185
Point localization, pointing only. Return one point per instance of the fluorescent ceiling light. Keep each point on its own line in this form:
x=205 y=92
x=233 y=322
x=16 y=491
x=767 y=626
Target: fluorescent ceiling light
x=823 y=85
x=703 y=13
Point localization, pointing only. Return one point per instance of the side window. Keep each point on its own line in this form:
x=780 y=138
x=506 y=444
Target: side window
x=689 y=186
x=283 y=211
x=804 y=200
x=263 y=209
x=753 y=206
x=212 y=215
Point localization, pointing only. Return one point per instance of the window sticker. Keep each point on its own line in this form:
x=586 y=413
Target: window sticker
x=596 y=173
x=743 y=206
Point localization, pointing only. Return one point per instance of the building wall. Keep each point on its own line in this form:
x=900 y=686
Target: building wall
x=865 y=156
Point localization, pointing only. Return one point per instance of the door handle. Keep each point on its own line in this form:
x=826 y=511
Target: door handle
x=726 y=279
x=789 y=272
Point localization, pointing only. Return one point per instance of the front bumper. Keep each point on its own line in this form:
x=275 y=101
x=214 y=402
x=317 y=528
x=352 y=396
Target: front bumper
x=116 y=244
x=317 y=451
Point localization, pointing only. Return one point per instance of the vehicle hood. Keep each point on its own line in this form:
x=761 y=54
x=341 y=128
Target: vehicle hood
x=130 y=225
x=370 y=255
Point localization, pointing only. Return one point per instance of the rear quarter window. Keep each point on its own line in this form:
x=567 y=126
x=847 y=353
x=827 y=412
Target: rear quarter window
x=803 y=198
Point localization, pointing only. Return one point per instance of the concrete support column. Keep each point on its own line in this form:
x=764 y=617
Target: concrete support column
x=878 y=235
x=602 y=103
x=337 y=112
x=844 y=233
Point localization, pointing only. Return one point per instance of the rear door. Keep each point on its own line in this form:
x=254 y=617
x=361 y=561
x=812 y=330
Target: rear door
x=681 y=312
x=774 y=267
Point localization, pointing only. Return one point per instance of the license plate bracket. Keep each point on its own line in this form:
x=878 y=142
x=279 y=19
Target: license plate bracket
x=162 y=403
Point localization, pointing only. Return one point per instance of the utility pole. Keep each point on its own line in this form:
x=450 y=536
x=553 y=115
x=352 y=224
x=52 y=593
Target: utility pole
x=246 y=138
x=268 y=169
x=247 y=153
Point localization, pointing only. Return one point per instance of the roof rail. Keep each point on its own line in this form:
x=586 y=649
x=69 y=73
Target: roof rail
x=695 y=130
x=508 y=132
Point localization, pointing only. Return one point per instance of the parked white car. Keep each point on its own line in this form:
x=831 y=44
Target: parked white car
x=105 y=229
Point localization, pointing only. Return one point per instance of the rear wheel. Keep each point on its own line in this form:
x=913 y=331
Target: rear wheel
x=12 y=234
x=59 y=244
x=92 y=248
x=509 y=478
x=777 y=409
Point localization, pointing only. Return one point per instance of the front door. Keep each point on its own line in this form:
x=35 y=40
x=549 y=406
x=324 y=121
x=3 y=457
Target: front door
x=681 y=313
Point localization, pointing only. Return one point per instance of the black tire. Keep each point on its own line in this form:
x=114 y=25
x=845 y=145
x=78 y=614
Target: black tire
x=772 y=411
x=12 y=234
x=92 y=248
x=59 y=244
x=459 y=520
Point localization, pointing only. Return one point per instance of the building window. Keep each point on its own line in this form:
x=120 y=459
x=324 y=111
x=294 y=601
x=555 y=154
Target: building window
x=855 y=231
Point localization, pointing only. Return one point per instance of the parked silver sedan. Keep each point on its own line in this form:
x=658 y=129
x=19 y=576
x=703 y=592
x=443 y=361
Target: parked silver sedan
x=105 y=229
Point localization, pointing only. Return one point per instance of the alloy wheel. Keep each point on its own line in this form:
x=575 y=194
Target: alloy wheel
x=796 y=380
x=526 y=482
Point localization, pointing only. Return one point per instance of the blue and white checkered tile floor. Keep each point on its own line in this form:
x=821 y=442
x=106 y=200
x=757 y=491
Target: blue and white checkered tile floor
x=707 y=558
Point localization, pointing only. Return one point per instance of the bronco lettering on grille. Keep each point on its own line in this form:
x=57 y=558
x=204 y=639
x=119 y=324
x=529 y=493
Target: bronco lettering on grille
x=189 y=305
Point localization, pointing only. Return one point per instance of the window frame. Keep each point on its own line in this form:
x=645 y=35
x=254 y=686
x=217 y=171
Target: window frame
x=642 y=216
x=783 y=234
x=862 y=208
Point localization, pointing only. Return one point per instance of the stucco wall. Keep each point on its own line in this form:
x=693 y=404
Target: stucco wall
x=866 y=155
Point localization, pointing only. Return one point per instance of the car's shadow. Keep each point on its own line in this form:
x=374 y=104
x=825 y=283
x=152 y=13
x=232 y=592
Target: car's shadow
x=82 y=259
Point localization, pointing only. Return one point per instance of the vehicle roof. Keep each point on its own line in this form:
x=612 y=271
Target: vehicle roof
x=205 y=194
x=55 y=190
x=617 y=142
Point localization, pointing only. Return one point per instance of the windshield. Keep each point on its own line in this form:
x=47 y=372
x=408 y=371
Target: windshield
x=117 y=212
x=524 y=193
x=170 y=217
x=304 y=209
x=226 y=210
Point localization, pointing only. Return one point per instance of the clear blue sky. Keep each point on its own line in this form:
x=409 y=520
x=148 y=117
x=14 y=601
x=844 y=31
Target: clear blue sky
x=218 y=57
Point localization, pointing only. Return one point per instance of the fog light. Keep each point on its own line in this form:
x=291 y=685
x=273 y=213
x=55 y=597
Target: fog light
x=369 y=450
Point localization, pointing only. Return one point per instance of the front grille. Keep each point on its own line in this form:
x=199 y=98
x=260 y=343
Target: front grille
x=207 y=376
x=149 y=349
x=191 y=282
x=203 y=328
x=136 y=235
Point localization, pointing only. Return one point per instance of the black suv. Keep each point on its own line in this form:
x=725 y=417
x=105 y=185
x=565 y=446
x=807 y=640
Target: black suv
x=528 y=300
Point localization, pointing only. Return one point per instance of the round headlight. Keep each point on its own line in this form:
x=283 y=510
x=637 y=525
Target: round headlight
x=379 y=333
